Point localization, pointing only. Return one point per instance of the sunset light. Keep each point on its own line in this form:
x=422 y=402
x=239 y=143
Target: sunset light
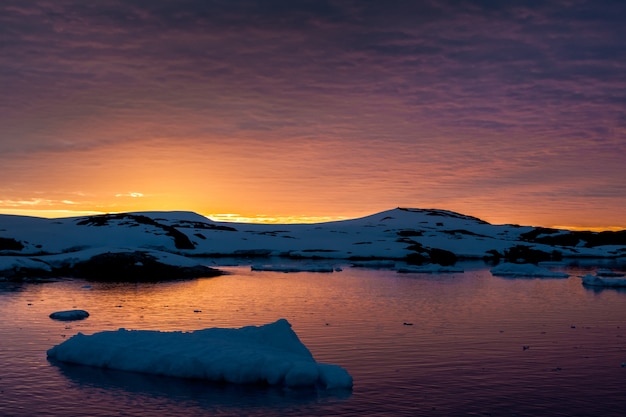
x=300 y=112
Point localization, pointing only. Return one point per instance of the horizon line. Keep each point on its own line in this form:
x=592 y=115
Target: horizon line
x=270 y=219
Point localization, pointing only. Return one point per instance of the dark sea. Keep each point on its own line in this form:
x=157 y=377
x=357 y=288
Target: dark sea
x=462 y=344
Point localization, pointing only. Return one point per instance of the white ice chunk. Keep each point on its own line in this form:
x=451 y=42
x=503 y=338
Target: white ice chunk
x=374 y=264
x=269 y=354
x=603 y=281
x=69 y=315
x=525 y=270
x=293 y=268
x=430 y=269
x=608 y=273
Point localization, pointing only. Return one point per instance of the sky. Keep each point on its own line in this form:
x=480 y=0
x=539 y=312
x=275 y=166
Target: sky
x=315 y=110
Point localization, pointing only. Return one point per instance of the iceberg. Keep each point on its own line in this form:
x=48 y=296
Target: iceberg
x=271 y=354
x=525 y=270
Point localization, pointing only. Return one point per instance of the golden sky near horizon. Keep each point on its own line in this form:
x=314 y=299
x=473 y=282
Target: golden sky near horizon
x=309 y=111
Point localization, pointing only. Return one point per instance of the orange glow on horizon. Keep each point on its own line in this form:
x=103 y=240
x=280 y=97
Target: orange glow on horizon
x=296 y=185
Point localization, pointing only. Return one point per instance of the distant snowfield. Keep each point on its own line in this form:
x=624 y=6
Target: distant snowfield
x=270 y=354
x=32 y=246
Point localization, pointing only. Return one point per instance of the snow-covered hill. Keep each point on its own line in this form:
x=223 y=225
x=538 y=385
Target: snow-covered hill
x=35 y=245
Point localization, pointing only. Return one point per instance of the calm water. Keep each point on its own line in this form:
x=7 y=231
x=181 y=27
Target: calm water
x=463 y=353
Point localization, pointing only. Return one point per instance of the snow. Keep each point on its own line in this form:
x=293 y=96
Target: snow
x=72 y=258
x=604 y=281
x=268 y=354
x=293 y=268
x=388 y=236
x=430 y=269
x=9 y=263
x=525 y=270
x=69 y=315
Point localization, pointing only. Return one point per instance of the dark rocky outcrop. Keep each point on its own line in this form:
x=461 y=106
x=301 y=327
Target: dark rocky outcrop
x=422 y=255
x=555 y=237
x=133 y=267
x=523 y=254
x=8 y=243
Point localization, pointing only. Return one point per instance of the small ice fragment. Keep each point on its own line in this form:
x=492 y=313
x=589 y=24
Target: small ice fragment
x=69 y=315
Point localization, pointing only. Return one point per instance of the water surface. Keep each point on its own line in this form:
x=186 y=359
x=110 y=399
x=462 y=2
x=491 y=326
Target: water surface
x=416 y=344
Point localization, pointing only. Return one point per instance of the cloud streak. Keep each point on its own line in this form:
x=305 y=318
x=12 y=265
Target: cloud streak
x=359 y=103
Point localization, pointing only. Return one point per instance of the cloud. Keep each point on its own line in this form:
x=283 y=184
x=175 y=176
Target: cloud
x=32 y=202
x=451 y=97
x=130 y=194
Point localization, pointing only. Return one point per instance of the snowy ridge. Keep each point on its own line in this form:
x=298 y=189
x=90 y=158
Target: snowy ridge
x=420 y=236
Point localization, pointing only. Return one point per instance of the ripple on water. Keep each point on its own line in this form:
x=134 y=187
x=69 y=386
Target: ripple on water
x=463 y=353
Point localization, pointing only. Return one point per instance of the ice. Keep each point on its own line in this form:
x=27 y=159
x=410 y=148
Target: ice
x=182 y=239
x=69 y=315
x=525 y=270
x=608 y=273
x=268 y=354
x=16 y=263
x=293 y=268
x=604 y=281
x=430 y=269
x=381 y=264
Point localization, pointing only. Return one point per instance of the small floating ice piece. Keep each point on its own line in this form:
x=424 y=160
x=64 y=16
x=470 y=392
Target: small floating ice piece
x=607 y=282
x=430 y=269
x=293 y=268
x=608 y=273
x=269 y=354
x=69 y=315
x=374 y=264
x=525 y=270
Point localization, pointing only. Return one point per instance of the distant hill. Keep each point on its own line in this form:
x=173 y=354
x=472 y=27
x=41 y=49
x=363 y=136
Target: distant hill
x=163 y=245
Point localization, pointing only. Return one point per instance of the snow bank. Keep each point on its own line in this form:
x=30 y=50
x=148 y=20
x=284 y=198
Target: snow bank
x=604 y=281
x=269 y=354
x=15 y=263
x=293 y=268
x=525 y=270
x=69 y=315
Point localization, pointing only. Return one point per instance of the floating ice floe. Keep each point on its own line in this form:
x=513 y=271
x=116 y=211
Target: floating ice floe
x=604 y=281
x=293 y=268
x=69 y=315
x=269 y=354
x=608 y=273
x=374 y=264
x=430 y=269
x=525 y=270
